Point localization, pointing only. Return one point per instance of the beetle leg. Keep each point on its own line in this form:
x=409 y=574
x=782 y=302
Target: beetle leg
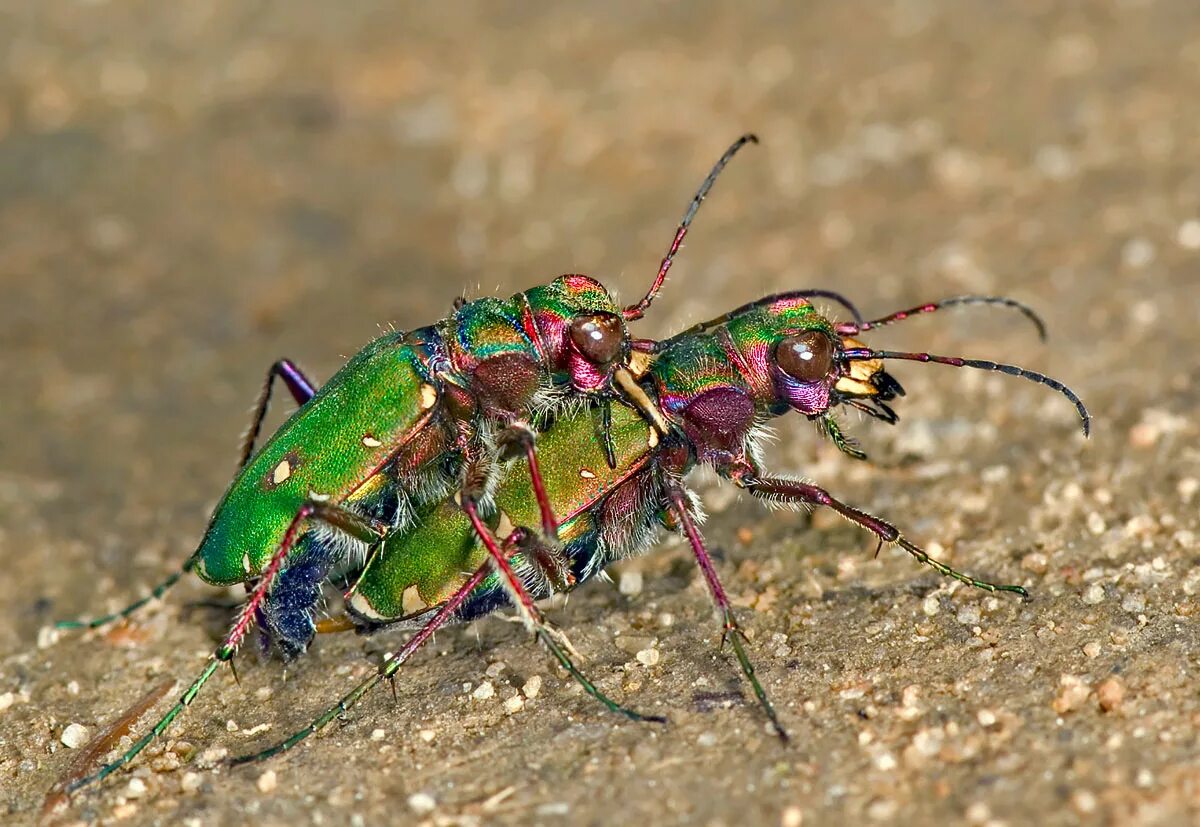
x=845 y=444
x=312 y=510
x=795 y=492
x=677 y=501
x=155 y=593
x=534 y=620
x=518 y=436
x=301 y=388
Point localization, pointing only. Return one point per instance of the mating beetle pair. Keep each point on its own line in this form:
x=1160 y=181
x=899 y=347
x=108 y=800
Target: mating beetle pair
x=394 y=479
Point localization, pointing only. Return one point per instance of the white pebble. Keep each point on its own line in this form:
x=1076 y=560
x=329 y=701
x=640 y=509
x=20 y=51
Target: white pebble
x=532 y=686
x=1093 y=594
x=7 y=699
x=422 y=803
x=74 y=736
x=514 y=704
x=630 y=583
x=1189 y=235
x=484 y=691
x=649 y=657
x=190 y=782
x=378 y=735
x=427 y=735
x=267 y=781
x=136 y=788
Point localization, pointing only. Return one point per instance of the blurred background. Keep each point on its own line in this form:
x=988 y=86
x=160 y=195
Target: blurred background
x=190 y=191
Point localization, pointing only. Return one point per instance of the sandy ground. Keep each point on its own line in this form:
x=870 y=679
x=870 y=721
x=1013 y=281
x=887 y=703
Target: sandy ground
x=189 y=191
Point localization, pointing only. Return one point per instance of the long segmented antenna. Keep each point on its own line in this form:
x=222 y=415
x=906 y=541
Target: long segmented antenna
x=979 y=364
x=850 y=329
x=636 y=311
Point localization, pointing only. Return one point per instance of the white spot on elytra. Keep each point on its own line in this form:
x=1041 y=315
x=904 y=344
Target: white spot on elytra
x=652 y=440
x=246 y=562
x=370 y=441
x=282 y=471
x=586 y=474
x=428 y=396
x=411 y=601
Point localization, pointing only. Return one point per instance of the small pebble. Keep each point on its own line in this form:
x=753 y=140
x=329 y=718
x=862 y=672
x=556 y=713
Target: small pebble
x=1083 y=802
x=378 y=734
x=514 y=704
x=136 y=788
x=791 y=817
x=427 y=735
x=1188 y=235
x=986 y=717
x=532 y=686
x=649 y=657
x=74 y=736
x=211 y=757
x=930 y=605
x=1092 y=649
x=190 y=782
x=1110 y=693
x=484 y=691
x=1094 y=594
x=124 y=811
x=267 y=781
x=630 y=583
x=422 y=803
x=706 y=739
x=7 y=699
x=1072 y=692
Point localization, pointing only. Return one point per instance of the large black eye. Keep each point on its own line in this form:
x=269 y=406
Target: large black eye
x=806 y=357
x=598 y=336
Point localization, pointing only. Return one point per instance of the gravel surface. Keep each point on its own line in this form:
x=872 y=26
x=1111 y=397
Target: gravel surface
x=190 y=191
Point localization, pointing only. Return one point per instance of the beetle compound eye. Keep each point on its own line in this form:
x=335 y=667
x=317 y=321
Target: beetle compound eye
x=598 y=336
x=806 y=357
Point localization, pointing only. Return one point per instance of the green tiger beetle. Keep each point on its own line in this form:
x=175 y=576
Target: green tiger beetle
x=713 y=387
x=411 y=419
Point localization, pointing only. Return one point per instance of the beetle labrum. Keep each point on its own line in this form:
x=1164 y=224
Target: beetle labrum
x=715 y=385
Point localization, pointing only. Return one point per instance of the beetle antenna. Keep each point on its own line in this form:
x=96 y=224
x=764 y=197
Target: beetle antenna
x=979 y=364
x=636 y=311
x=851 y=328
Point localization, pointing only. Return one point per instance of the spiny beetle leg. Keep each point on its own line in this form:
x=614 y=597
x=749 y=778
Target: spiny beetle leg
x=777 y=489
x=325 y=512
x=392 y=664
x=678 y=502
x=387 y=671
x=301 y=388
x=518 y=437
x=536 y=622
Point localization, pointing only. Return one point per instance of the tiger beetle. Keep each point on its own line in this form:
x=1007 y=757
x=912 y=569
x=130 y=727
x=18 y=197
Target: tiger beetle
x=608 y=477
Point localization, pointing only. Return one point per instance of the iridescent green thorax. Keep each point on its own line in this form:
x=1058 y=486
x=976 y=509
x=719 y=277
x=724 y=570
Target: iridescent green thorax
x=328 y=448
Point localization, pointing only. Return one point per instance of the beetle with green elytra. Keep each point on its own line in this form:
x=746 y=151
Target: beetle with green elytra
x=411 y=419
x=715 y=385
